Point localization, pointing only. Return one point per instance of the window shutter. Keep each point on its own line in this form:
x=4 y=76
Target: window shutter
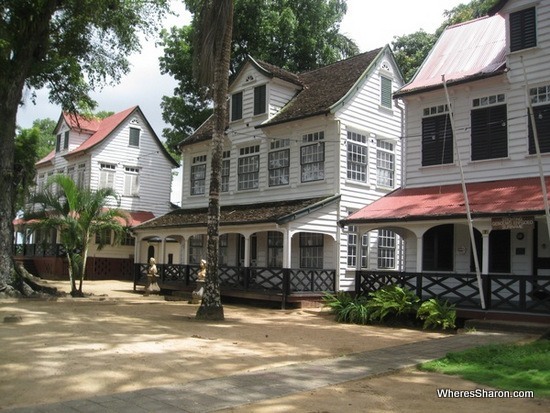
x=134 y=137
x=437 y=140
x=385 y=92
x=489 y=138
x=259 y=100
x=66 y=141
x=542 y=119
x=523 y=29
x=237 y=106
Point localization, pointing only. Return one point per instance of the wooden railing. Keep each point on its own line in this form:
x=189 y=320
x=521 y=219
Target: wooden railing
x=39 y=250
x=284 y=281
x=515 y=293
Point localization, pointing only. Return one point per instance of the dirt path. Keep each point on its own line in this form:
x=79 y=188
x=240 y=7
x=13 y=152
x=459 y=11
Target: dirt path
x=119 y=341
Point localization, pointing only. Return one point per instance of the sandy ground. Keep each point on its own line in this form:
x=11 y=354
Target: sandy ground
x=119 y=340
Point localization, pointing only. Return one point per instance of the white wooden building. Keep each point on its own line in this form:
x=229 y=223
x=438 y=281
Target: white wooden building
x=494 y=67
x=122 y=152
x=302 y=151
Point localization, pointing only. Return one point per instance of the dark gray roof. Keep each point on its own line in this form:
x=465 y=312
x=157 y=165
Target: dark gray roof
x=276 y=212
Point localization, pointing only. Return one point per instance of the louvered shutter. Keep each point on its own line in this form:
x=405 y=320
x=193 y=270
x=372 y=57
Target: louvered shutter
x=542 y=119
x=489 y=138
x=259 y=100
x=523 y=29
x=437 y=140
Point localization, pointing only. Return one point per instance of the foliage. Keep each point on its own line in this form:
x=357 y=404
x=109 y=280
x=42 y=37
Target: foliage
x=346 y=308
x=294 y=35
x=26 y=149
x=70 y=47
x=392 y=300
x=411 y=49
x=77 y=214
x=504 y=366
x=46 y=137
x=437 y=314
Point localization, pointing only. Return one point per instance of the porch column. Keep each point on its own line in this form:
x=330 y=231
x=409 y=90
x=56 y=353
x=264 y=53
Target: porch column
x=185 y=251
x=485 y=253
x=287 y=239
x=246 y=251
x=137 y=250
x=419 y=248
x=162 y=254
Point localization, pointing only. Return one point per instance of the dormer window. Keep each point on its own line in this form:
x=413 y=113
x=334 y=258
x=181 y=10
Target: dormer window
x=523 y=29
x=259 y=100
x=134 y=137
x=236 y=106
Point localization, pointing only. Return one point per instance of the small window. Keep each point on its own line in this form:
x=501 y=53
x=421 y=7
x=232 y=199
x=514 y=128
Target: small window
x=248 y=172
x=237 y=106
x=274 y=249
x=386 y=249
x=107 y=175
x=134 y=137
x=385 y=163
x=103 y=237
x=131 y=181
x=385 y=92
x=226 y=170
x=58 y=143
x=357 y=157
x=312 y=157
x=198 y=175
x=260 y=100
x=66 y=141
x=540 y=100
x=523 y=29
x=311 y=250
x=279 y=167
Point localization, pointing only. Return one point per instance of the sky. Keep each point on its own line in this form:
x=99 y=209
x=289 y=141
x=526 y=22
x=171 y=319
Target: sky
x=371 y=24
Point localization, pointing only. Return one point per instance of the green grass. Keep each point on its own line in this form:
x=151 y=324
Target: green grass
x=506 y=367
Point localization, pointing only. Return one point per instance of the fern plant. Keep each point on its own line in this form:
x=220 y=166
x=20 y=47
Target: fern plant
x=437 y=314
x=346 y=308
x=392 y=300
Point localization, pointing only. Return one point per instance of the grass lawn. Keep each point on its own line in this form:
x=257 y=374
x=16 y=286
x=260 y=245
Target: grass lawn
x=506 y=367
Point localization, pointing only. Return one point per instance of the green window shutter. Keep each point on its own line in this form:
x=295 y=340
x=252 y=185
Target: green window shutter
x=385 y=92
x=134 y=137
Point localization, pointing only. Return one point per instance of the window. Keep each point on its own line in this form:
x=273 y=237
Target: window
x=385 y=163
x=198 y=175
x=437 y=248
x=386 y=249
x=81 y=176
x=222 y=249
x=237 y=106
x=103 y=237
x=196 y=248
x=540 y=100
x=385 y=92
x=357 y=157
x=107 y=175
x=437 y=136
x=311 y=250
x=131 y=181
x=134 y=137
x=71 y=173
x=259 y=100
x=128 y=239
x=226 y=170
x=40 y=183
x=489 y=128
x=279 y=163
x=58 y=143
x=274 y=249
x=66 y=141
x=249 y=168
x=523 y=29
x=312 y=157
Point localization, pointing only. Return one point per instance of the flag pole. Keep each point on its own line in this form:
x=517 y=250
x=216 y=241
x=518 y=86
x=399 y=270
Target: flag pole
x=466 y=200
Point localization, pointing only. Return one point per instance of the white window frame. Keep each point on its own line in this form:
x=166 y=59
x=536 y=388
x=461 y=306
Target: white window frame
x=198 y=175
x=387 y=242
x=248 y=171
x=131 y=181
x=107 y=175
x=357 y=157
x=385 y=163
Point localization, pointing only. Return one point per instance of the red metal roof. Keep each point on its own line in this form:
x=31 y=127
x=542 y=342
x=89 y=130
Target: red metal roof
x=464 y=51
x=506 y=197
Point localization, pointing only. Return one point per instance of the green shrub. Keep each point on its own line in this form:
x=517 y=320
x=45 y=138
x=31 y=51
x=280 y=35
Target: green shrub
x=392 y=300
x=346 y=308
x=437 y=314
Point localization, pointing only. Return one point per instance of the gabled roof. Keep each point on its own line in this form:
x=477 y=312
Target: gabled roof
x=493 y=198
x=100 y=130
x=269 y=70
x=275 y=212
x=464 y=52
x=321 y=90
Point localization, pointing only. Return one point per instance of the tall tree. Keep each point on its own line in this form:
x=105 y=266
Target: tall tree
x=26 y=153
x=77 y=214
x=411 y=49
x=69 y=46
x=213 y=55
x=296 y=35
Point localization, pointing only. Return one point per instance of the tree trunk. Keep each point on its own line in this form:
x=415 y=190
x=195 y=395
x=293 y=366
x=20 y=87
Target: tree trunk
x=211 y=306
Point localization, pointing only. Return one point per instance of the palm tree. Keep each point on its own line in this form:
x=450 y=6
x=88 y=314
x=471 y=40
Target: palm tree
x=213 y=54
x=78 y=214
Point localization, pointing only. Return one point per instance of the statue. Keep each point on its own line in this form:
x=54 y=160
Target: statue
x=196 y=296
x=151 y=286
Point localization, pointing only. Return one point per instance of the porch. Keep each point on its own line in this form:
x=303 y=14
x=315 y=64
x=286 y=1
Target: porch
x=284 y=285
x=507 y=297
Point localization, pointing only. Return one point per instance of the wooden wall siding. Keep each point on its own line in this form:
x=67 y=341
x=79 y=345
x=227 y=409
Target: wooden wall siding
x=519 y=163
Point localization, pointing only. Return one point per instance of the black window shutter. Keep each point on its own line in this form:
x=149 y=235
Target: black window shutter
x=259 y=99
x=523 y=29
x=437 y=140
x=237 y=106
x=542 y=119
x=489 y=138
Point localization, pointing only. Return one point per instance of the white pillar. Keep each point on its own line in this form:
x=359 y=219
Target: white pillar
x=485 y=254
x=162 y=258
x=419 y=248
x=246 y=251
x=287 y=258
x=185 y=258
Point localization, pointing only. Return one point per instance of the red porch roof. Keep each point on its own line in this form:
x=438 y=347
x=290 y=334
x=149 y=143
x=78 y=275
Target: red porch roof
x=494 y=198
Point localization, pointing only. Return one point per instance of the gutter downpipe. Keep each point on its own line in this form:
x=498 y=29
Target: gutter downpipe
x=466 y=200
x=537 y=149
